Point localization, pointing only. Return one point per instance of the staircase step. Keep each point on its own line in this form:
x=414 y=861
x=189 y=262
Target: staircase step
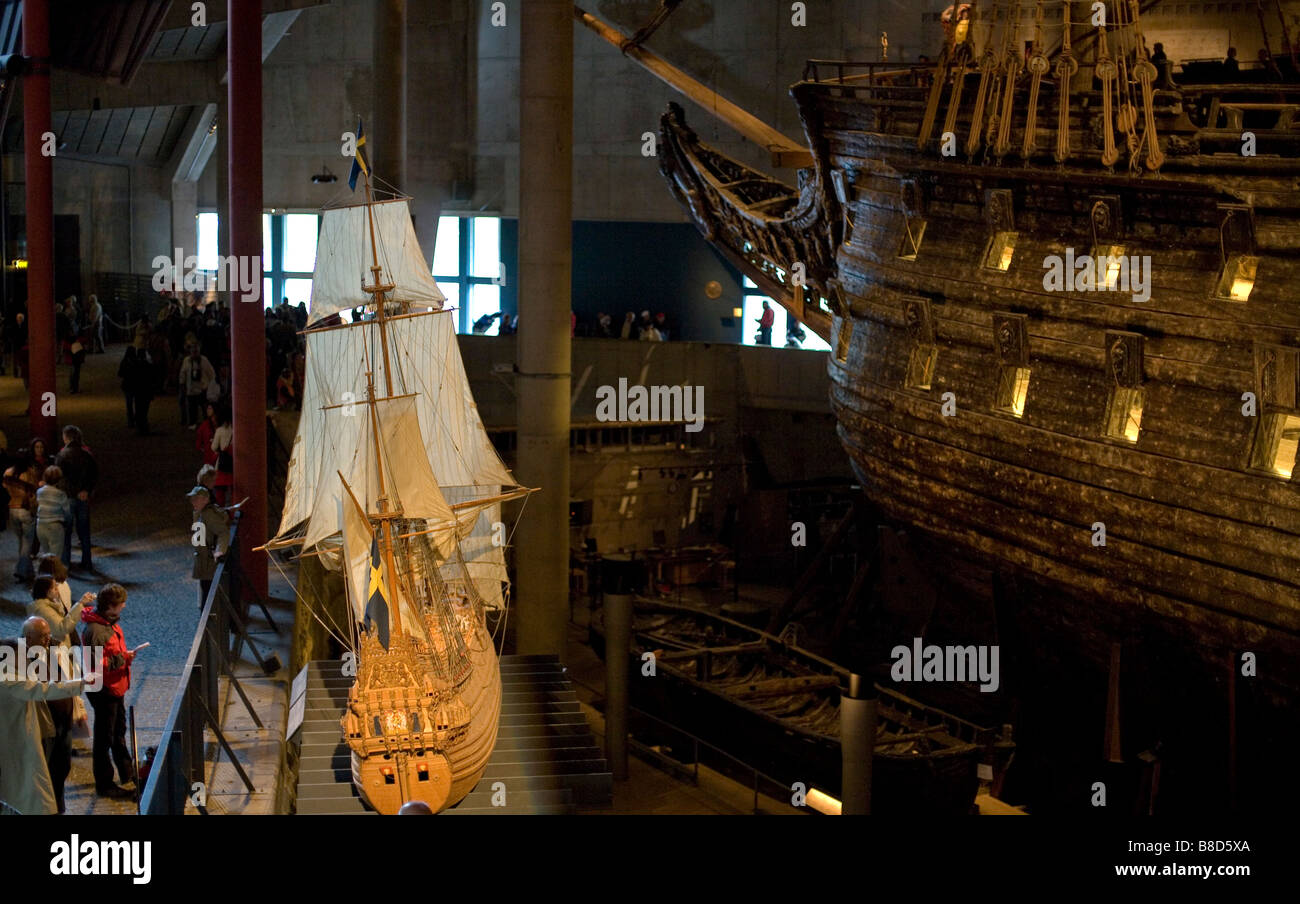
x=546 y=755
x=516 y=801
x=506 y=771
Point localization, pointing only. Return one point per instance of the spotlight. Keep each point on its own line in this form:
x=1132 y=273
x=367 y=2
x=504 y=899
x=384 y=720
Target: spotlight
x=324 y=177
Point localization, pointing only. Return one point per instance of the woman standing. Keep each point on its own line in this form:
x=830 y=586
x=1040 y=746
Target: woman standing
x=53 y=512
x=52 y=567
x=20 y=480
x=40 y=460
x=203 y=436
x=222 y=439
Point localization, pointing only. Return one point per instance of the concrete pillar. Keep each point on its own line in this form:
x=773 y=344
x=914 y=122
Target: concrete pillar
x=443 y=67
x=222 y=155
x=248 y=325
x=857 y=746
x=387 y=144
x=185 y=208
x=618 y=646
x=42 y=417
x=543 y=347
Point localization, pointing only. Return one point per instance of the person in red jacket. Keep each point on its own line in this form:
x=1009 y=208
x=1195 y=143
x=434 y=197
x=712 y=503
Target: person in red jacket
x=765 y=325
x=102 y=632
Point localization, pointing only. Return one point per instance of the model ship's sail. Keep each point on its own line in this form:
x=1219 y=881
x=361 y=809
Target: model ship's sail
x=424 y=360
x=343 y=259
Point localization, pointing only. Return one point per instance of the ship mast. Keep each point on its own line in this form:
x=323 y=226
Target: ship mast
x=378 y=292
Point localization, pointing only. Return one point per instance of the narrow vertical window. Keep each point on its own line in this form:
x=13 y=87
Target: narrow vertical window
x=1013 y=390
x=1124 y=360
x=1001 y=248
x=1108 y=261
x=1238 y=278
x=1124 y=413
x=1276 y=444
x=920 y=367
x=913 y=232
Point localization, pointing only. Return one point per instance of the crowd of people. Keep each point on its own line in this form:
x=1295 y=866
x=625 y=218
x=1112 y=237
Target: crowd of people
x=65 y=651
x=182 y=350
x=645 y=328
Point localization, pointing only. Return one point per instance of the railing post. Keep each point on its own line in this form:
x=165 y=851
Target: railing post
x=192 y=736
x=618 y=642
x=857 y=746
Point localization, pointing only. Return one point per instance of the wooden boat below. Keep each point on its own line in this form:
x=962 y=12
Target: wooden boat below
x=776 y=706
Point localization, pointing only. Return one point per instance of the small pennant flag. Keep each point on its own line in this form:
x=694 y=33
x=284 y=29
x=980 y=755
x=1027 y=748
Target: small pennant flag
x=358 y=161
x=377 y=604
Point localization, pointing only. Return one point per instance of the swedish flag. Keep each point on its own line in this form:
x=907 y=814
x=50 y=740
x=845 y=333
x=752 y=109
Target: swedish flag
x=358 y=161
x=377 y=604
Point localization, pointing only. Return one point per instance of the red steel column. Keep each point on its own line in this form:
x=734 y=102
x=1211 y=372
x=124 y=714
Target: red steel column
x=40 y=222
x=247 y=322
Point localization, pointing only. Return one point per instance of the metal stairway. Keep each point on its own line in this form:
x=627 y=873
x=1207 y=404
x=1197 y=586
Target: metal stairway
x=545 y=754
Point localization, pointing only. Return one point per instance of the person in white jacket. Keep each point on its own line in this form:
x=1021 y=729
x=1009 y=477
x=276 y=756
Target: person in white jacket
x=25 y=722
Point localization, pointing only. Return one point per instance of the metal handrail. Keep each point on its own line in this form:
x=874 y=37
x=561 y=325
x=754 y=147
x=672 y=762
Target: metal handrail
x=698 y=743
x=179 y=761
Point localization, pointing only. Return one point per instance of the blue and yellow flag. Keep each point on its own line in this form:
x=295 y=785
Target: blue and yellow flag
x=358 y=161
x=377 y=604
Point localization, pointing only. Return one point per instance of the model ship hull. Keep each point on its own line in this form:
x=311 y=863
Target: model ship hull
x=745 y=691
x=414 y=737
x=1200 y=530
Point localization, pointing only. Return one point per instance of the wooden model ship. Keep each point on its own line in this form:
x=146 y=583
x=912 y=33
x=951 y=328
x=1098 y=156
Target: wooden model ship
x=746 y=691
x=1121 y=453
x=400 y=491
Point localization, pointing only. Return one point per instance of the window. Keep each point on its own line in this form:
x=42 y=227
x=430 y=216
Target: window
x=1238 y=277
x=1109 y=271
x=208 y=242
x=467 y=267
x=1276 y=444
x=1000 y=250
x=300 y=231
x=920 y=366
x=484 y=301
x=288 y=253
x=1124 y=413
x=844 y=339
x=297 y=290
x=1013 y=389
x=753 y=309
x=913 y=232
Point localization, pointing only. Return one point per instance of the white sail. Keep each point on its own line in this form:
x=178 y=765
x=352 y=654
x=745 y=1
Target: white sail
x=344 y=259
x=405 y=478
x=425 y=360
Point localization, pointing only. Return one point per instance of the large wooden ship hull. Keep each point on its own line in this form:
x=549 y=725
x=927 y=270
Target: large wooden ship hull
x=752 y=694
x=1200 y=530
